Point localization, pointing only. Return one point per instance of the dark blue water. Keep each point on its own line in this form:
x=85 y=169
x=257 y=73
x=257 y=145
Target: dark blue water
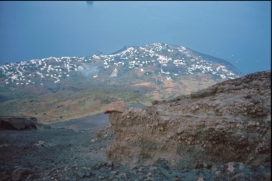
x=236 y=31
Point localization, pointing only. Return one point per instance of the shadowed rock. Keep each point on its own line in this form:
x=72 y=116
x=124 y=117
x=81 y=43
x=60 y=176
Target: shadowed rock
x=18 y=123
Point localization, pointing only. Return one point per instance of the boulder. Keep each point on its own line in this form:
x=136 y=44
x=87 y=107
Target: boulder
x=18 y=123
x=118 y=106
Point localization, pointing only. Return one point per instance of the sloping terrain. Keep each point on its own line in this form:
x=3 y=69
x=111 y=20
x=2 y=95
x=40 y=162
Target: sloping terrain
x=59 y=89
x=219 y=133
x=227 y=122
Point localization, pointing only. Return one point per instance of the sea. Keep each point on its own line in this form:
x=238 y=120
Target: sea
x=239 y=32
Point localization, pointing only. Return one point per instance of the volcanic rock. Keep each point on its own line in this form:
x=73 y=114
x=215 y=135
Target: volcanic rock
x=118 y=106
x=23 y=174
x=227 y=122
x=18 y=123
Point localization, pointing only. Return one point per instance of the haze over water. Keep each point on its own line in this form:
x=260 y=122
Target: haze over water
x=239 y=32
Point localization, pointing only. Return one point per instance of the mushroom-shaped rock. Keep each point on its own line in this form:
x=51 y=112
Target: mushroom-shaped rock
x=118 y=106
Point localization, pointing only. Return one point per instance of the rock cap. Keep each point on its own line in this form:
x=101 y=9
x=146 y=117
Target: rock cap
x=118 y=106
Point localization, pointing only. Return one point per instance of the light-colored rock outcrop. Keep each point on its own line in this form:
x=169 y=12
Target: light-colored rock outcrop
x=227 y=122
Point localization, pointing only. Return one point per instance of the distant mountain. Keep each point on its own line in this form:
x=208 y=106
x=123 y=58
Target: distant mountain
x=71 y=87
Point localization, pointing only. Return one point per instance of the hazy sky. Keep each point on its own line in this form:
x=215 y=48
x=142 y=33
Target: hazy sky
x=239 y=32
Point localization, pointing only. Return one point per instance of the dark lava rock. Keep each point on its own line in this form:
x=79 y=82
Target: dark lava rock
x=24 y=174
x=67 y=156
x=18 y=123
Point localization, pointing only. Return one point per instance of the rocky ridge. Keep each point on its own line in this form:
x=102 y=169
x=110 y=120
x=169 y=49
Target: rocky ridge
x=227 y=122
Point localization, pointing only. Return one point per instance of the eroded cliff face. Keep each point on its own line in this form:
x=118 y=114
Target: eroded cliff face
x=229 y=121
